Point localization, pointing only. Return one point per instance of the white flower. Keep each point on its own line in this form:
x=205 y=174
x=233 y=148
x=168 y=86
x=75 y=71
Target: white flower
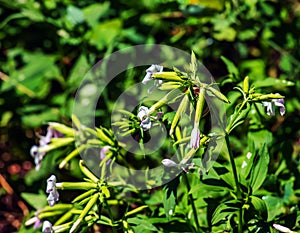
x=195 y=138
x=270 y=106
x=37 y=156
x=151 y=70
x=51 y=181
x=47 y=227
x=53 y=196
x=148 y=77
x=143 y=115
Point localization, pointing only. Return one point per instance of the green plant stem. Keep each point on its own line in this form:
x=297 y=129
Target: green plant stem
x=192 y=203
x=237 y=185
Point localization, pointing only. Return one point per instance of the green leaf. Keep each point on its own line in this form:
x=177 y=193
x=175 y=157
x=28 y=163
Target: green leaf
x=259 y=138
x=74 y=15
x=289 y=190
x=133 y=35
x=213 y=4
x=92 y=13
x=38 y=201
x=104 y=33
x=275 y=206
x=142 y=225
x=254 y=68
x=225 y=33
x=260 y=206
x=33 y=14
x=224 y=210
x=33 y=78
x=35 y=119
x=247 y=165
x=231 y=67
x=241 y=116
x=260 y=169
x=273 y=82
x=211 y=191
x=169 y=201
x=219 y=176
x=169 y=116
x=78 y=72
x=286 y=63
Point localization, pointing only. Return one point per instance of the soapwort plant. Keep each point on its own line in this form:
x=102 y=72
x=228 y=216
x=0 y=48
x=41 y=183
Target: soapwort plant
x=219 y=194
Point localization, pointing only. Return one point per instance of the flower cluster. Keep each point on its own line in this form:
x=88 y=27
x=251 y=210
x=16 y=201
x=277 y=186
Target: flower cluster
x=97 y=189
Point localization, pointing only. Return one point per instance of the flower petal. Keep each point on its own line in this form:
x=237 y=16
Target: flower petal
x=147 y=78
x=37 y=224
x=154 y=69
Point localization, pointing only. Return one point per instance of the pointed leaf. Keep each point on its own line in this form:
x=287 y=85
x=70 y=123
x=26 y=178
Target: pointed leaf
x=231 y=67
x=247 y=165
x=224 y=210
x=260 y=206
x=260 y=170
x=169 y=201
x=273 y=82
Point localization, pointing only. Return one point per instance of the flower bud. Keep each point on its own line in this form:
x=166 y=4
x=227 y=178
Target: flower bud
x=169 y=163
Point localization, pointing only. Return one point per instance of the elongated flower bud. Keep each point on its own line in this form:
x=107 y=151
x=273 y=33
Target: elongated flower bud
x=246 y=85
x=180 y=111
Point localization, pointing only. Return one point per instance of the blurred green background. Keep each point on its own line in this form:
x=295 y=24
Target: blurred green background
x=46 y=47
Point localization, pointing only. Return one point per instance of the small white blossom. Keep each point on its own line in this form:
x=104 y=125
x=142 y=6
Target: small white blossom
x=148 y=77
x=47 y=227
x=143 y=115
x=270 y=106
x=37 y=156
x=51 y=181
x=150 y=71
x=52 y=198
